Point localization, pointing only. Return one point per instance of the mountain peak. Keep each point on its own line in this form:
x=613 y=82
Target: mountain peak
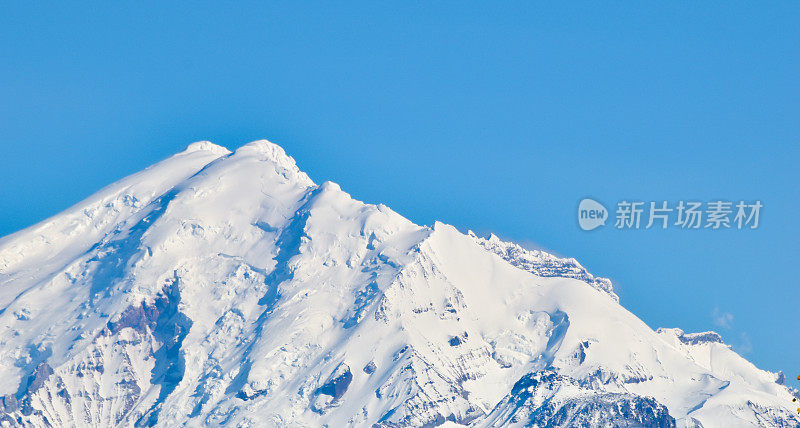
x=207 y=146
x=229 y=289
x=266 y=150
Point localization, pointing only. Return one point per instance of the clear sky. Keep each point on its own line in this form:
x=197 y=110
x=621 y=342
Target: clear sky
x=495 y=119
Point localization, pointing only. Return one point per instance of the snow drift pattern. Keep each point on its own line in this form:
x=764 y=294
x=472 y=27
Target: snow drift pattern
x=227 y=288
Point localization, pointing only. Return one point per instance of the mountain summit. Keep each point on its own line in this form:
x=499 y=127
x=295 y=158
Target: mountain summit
x=219 y=288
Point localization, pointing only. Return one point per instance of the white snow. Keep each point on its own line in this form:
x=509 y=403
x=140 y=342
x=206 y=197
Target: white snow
x=219 y=287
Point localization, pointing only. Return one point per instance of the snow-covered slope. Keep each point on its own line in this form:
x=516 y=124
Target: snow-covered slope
x=227 y=288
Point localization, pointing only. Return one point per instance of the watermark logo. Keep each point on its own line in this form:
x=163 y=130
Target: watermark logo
x=713 y=215
x=591 y=214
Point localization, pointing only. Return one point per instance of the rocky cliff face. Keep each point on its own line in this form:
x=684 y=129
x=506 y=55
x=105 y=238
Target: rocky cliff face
x=228 y=288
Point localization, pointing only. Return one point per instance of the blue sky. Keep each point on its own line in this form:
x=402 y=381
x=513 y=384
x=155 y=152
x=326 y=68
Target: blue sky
x=492 y=119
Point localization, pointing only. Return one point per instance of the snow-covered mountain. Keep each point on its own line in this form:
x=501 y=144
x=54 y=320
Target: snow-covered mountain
x=222 y=288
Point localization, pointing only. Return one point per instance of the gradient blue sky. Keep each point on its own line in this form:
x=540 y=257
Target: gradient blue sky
x=489 y=118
